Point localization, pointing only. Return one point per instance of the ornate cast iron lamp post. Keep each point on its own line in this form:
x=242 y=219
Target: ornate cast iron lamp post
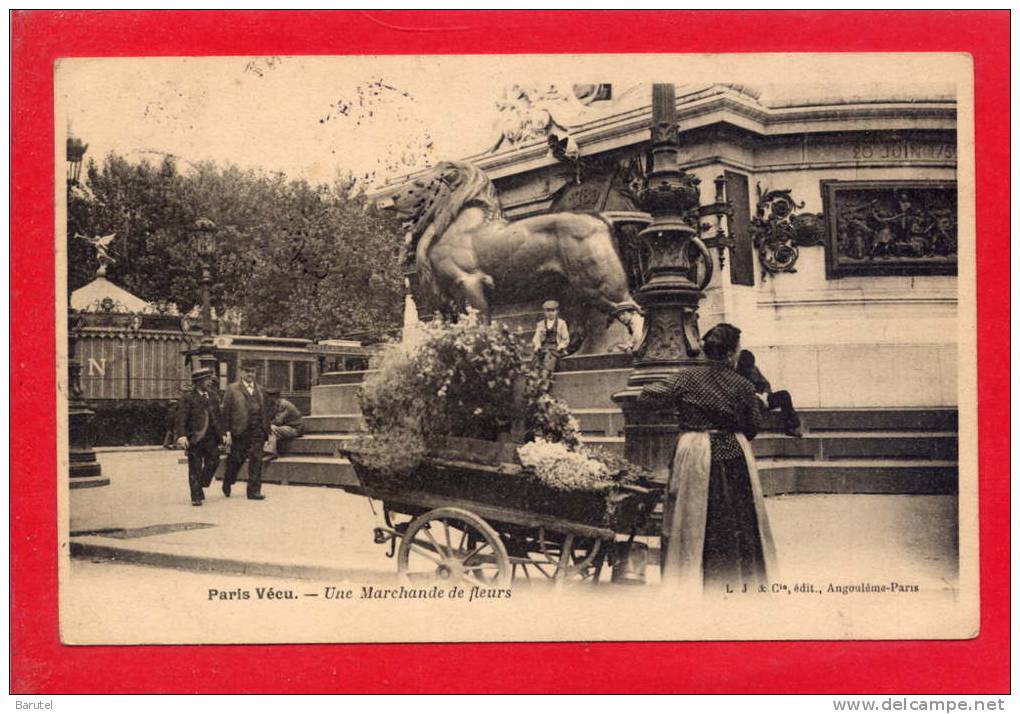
x=679 y=269
x=84 y=471
x=205 y=246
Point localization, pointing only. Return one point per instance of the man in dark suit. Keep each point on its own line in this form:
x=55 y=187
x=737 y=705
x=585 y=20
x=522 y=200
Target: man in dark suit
x=201 y=429
x=246 y=418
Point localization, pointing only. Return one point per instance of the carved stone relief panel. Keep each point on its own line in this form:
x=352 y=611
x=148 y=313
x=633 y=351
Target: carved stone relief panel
x=890 y=227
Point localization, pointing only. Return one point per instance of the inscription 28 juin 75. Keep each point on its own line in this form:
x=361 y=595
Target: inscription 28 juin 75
x=898 y=150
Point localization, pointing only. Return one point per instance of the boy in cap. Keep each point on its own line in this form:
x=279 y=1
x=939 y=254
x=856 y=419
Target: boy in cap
x=551 y=336
x=285 y=422
x=200 y=426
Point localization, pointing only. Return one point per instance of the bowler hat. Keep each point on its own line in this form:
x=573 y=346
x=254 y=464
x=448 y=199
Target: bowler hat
x=550 y=305
x=273 y=391
x=202 y=374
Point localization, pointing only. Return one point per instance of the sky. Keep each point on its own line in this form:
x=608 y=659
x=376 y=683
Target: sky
x=306 y=117
x=313 y=117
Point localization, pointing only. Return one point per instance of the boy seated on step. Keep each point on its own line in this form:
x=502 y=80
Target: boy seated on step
x=285 y=422
x=780 y=401
x=551 y=337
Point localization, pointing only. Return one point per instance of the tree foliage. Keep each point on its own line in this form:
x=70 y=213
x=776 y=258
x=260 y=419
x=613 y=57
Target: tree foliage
x=294 y=259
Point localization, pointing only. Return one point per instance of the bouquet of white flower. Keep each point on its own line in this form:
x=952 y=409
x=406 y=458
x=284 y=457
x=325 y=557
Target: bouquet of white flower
x=576 y=469
x=564 y=469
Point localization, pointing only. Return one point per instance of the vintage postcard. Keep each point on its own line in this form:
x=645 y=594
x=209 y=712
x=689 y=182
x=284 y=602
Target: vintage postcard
x=468 y=348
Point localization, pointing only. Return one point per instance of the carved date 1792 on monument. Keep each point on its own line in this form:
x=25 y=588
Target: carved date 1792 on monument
x=890 y=227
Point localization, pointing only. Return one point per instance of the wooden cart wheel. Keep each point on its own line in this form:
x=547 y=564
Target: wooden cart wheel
x=573 y=557
x=559 y=556
x=451 y=544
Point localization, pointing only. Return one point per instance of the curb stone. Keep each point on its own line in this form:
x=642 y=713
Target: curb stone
x=209 y=564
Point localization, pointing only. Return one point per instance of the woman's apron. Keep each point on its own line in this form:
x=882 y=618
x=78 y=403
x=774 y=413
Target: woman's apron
x=686 y=508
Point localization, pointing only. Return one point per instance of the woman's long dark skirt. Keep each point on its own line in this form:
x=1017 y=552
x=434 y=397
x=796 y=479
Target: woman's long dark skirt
x=733 y=550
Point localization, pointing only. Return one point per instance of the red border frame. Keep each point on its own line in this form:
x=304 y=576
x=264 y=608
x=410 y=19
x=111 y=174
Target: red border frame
x=40 y=664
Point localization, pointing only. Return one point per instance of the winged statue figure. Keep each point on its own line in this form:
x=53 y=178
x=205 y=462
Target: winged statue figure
x=101 y=245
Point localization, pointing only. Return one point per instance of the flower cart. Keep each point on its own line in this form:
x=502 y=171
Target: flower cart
x=455 y=517
x=463 y=501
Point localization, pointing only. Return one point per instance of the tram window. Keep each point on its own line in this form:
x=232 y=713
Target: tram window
x=279 y=375
x=302 y=376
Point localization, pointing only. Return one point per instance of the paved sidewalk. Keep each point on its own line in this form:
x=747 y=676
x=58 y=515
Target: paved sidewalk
x=323 y=533
x=298 y=531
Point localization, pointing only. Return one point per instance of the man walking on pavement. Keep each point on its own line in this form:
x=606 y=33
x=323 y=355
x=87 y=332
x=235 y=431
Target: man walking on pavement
x=245 y=415
x=200 y=427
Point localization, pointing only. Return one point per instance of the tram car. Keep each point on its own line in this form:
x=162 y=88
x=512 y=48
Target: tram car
x=292 y=365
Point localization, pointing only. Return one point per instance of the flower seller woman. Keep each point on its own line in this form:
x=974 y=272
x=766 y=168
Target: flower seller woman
x=715 y=532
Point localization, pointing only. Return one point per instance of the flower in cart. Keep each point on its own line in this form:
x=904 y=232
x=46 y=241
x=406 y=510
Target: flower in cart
x=466 y=378
x=564 y=469
x=620 y=470
x=399 y=451
x=549 y=417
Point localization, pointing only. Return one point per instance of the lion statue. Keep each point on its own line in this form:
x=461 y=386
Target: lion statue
x=468 y=256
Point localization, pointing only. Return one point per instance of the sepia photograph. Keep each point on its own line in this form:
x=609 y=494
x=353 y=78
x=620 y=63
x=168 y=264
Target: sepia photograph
x=505 y=352
x=467 y=349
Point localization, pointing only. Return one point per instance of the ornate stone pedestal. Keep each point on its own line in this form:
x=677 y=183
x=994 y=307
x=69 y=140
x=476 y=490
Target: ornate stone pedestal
x=85 y=471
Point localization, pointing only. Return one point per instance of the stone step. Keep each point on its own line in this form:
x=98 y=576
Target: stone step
x=939 y=419
x=854 y=444
x=304 y=470
x=580 y=389
x=600 y=421
x=321 y=444
x=327 y=444
x=596 y=422
x=588 y=389
x=589 y=392
x=890 y=476
x=612 y=444
x=334 y=423
x=609 y=420
x=593 y=362
x=352 y=377
x=328 y=399
x=323 y=433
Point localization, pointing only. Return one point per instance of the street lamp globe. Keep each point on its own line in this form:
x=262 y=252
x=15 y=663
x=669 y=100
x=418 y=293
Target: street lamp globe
x=206 y=238
x=76 y=149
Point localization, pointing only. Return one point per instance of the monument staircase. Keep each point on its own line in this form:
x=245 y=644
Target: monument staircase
x=868 y=451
